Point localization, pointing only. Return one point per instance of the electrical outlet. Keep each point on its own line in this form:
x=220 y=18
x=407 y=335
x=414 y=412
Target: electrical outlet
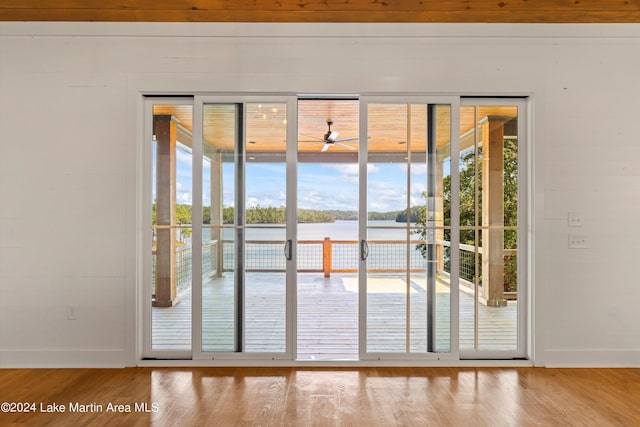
x=72 y=312
x=578 y=242
x=574 y=219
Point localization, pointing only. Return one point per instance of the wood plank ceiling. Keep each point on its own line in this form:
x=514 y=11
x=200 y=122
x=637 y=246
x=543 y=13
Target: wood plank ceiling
x=387 y=129
x=492 y=11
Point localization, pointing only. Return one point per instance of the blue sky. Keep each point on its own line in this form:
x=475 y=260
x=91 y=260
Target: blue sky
x=320 y=186
x=330 y=186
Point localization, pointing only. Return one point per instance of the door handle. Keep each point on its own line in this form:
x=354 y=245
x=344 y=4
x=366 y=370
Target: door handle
x=288 y=250
x=364 y=250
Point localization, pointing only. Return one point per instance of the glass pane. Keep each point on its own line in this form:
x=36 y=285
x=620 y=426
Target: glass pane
x=470 y=289
x=172 y=167
x=408 y=296
x=265 y=235
x=510 y=180
x=438 y=221
x=327 y=247
x=244 y=215
x=421 y=221
x=430 y=199
x=220 y=238
x=492 y=236
x=470 y=159
x=389 y=290
x=510 y=263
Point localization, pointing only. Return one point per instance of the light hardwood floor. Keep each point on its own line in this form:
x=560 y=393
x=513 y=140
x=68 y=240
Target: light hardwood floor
x=327 y=397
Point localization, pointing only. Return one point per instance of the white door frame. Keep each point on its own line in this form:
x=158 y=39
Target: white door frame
x=525 y=195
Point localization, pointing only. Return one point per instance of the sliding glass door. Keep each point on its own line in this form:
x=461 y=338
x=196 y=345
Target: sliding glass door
x=492 y=246
x=167 y=232
x=334 y=228
x=242 y=300
x=407 y=296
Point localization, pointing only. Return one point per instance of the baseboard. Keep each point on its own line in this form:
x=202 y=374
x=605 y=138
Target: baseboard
x=592 y=358
x=45 y=358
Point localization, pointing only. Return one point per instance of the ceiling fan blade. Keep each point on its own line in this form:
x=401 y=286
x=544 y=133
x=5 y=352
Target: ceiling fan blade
x=347 y=139
x=332 y=137
x=325 y=148
x=345 y=146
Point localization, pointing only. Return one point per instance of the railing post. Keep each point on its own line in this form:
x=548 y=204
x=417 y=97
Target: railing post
x=164 y=128
x=326 y=257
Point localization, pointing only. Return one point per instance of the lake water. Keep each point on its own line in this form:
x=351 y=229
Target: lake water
x=339 y=230
x=387 y=249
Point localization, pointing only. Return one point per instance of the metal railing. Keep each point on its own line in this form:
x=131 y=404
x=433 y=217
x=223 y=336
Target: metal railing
x=468 y=265
x=312 y=256
x=336 y=256
x=183 y=270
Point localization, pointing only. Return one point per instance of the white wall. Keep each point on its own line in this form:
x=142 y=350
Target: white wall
x=69 y=122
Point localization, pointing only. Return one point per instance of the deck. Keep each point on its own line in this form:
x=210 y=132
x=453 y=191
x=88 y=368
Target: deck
x=328 y=317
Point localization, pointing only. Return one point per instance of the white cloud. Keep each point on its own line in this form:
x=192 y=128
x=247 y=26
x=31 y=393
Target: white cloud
x=354 y=180
x=350 y=172
x=418 y=187
x=252 y=202
x=383 y=196
x=418 y=168
x=228 y=197
x=184 y=158
x=184 y=197
x=312 y=198
x=345 y=168
x=275 y=200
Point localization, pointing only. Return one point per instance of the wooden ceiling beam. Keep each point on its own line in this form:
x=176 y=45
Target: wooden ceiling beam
x=490 y=11
x=326 y=5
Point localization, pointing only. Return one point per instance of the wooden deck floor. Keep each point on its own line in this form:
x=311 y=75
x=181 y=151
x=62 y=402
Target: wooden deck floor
x=328 y=317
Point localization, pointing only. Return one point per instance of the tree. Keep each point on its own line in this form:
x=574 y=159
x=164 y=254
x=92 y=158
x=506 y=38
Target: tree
x=469 y=185
x=183 y=217
x=413 y=216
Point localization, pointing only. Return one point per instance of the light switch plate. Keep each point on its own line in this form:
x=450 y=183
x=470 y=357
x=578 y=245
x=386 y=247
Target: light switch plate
x=72 y=312
x=574 y=219
x=578 y=242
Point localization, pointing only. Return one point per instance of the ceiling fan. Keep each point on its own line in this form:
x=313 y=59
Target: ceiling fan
x=331 y=138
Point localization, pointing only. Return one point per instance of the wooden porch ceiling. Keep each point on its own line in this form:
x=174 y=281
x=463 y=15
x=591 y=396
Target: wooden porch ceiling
x=493 y=11
x=266 y=125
